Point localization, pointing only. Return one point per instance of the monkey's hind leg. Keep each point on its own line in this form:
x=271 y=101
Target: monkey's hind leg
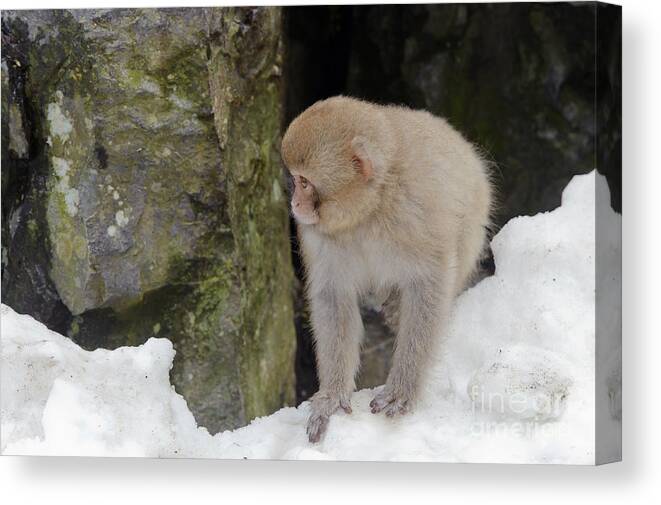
x=423 y=306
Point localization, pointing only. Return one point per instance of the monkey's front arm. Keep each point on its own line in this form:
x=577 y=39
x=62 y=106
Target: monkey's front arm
x=337 y=329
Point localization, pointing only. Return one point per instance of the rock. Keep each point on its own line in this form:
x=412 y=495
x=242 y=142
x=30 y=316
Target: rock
x=161 y=210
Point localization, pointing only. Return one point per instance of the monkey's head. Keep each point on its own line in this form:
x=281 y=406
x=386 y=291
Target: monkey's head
x=333 y=153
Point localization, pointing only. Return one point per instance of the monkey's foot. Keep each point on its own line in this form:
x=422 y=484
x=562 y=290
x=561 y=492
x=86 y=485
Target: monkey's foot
x=322 y=406
x=389 y=402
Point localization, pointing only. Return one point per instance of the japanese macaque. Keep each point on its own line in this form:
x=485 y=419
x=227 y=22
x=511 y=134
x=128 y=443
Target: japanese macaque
x=388 y=201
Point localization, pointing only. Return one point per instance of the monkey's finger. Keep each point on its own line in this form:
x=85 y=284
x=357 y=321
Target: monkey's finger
x=346 y=406
x=380 y=402
x=397 y=407
x=316 y=427
x=378 y=409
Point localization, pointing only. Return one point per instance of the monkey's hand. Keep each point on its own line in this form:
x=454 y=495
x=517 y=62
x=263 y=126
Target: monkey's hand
x=391 y=401
x=322 y=406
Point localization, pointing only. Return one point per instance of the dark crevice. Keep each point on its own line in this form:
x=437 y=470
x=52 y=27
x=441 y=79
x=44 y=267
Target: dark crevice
x=26 y=283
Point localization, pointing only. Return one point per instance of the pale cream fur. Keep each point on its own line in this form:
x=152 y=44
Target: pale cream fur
x=415 y=228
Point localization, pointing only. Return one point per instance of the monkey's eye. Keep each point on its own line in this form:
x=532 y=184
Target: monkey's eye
x=304 y=182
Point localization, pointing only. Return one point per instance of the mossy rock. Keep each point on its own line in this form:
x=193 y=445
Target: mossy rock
x=161 y=209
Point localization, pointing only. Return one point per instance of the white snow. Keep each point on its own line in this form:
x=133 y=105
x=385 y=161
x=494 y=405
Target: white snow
x=515 y=381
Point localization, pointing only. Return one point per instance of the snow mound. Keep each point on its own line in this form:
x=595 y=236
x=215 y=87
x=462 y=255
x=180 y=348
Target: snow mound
x=524 y=383
x=514 y=381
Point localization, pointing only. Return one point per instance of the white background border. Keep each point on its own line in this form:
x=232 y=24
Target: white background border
x=70 y=481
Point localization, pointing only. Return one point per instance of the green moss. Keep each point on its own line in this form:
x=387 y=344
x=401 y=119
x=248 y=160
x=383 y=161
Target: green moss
x=68 y=156
x=259 y=222
x=33 y=228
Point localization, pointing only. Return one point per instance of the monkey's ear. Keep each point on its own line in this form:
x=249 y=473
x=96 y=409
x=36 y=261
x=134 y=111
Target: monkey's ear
x=360 y=158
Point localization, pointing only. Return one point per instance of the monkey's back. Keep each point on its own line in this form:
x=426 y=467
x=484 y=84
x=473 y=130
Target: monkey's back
x=447 y=192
